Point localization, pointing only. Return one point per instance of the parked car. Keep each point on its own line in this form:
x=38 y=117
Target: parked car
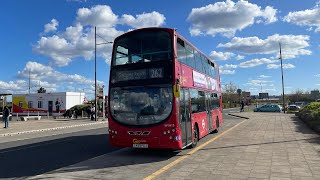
x=300 y=104
x=268 y=108
x=293 y=107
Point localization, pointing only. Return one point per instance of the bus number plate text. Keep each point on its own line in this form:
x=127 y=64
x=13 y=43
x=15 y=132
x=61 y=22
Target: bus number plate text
x=140 y=145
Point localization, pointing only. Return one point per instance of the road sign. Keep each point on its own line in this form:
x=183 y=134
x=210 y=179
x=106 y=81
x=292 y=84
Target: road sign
x=1 y=97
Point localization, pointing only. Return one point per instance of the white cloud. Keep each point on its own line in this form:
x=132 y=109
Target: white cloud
x=11 y=85
x=52 y=78
x=22 y=86
x=270 y=89
x=227 y=71
x=264 y=76
x=153 y=19
x=276 y=66
x=258 y=82
x=228 y=17
x=309 y=18
x=57 y=48
x=52 y=26
x=256 y=62
x=221 y=55
x=239 y=57
x=100 y=15
x=253 y=89
x=229 y=66
x=78 y=40
x=37 y=71
x=317 y=75
x=261 y=84
x=292 y=45
x=73 y=33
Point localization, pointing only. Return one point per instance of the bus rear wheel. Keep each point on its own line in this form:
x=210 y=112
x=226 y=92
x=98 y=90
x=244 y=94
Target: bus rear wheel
x=195 y=136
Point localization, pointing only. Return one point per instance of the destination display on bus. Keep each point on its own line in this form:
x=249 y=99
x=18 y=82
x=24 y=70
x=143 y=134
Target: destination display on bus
x=140 y=74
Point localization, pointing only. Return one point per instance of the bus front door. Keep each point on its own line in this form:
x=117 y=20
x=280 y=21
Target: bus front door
x=185 y=117
x=209 y=107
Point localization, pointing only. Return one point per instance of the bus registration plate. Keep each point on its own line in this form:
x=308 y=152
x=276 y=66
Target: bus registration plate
x=140 y=145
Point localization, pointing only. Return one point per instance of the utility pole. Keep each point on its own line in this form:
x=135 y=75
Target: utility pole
x=284 y=110
x=95 y=67
x=95 y=73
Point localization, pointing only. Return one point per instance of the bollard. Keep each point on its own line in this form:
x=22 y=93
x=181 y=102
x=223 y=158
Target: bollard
x=48 y=115
x=28 y=113
x=81 y=114
x=17 y=117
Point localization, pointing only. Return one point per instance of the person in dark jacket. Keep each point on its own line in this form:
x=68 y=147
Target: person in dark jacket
x=242 y=106
x=5 y=116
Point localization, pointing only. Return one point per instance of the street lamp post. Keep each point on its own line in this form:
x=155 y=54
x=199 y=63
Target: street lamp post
x=284 y=109
x=95 y=69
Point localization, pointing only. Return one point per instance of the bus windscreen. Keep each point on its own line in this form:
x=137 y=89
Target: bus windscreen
x=140 y=105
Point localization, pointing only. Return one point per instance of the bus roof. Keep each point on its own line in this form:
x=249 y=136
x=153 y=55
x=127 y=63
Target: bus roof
x=184 y=39
x=171 y=30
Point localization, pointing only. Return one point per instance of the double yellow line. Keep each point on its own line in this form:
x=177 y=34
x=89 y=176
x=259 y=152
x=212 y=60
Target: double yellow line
x=163 y=169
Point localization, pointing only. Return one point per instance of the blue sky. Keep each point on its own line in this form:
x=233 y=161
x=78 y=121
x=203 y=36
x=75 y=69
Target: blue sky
x=53 y=40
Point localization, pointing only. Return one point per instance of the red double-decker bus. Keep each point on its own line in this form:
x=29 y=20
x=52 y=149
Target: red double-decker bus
x=163 y=92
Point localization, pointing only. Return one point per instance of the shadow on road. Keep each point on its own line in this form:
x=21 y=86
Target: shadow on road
x=42 y=157
x=122 y=158
x=49 y=156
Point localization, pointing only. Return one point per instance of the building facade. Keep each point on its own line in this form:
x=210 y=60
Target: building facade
x=45 y=103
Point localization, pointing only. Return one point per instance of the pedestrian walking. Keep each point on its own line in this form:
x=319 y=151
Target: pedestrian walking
x=93 y=110
x=242 y=106
x=5 y=116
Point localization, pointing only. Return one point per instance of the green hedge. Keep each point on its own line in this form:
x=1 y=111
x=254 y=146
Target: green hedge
x=311 y=111
x=310 y=114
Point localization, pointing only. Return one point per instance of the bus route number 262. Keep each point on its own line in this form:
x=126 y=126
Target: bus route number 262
x=156 y=73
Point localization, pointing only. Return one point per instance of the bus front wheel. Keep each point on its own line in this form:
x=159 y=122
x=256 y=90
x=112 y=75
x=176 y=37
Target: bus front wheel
x=195 y=136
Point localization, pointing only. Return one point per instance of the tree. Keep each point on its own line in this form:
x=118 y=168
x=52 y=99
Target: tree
x=239 y=93
x=300 y=95
x=230 y=93
x=230 y=88
x=42 y=90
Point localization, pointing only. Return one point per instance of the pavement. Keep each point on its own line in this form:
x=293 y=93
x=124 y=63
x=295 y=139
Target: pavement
x=265 y=146
x=19 y=130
